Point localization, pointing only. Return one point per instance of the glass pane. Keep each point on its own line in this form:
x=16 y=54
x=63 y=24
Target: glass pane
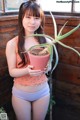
x=77 y=6
x=13 y=5
x=56 y=5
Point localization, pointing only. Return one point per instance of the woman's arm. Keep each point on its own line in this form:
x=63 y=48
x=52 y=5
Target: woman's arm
x=11 y=60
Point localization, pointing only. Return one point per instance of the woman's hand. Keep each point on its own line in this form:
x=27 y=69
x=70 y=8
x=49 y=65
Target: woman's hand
x=47 y=68
x=34 y=72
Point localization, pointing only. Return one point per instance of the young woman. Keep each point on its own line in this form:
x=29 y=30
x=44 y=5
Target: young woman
x=30 y=92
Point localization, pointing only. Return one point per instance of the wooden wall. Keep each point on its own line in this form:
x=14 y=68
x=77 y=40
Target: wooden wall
x=8 y=29
x=66 y=77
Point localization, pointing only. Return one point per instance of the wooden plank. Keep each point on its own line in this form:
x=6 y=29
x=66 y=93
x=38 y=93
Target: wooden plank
x=68 y=73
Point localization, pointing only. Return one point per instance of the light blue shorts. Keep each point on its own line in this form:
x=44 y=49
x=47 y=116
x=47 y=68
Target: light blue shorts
x=31 y=96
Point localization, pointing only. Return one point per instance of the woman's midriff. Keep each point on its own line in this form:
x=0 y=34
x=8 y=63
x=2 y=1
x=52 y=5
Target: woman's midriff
x=31 y=88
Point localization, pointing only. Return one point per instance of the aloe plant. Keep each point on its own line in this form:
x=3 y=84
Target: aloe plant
x=57 y=39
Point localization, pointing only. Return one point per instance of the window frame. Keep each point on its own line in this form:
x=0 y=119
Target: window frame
x=13 y=12
x=3 y=6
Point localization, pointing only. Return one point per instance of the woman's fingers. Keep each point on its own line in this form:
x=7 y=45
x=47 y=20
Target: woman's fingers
x=30 y=66
x=35 y=72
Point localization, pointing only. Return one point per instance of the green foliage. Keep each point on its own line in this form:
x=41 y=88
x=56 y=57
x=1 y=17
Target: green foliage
x=51 y=103
x=57 y=39
x=2 y=110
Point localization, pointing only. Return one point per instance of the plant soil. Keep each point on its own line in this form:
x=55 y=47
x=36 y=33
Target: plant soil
x=38 y=51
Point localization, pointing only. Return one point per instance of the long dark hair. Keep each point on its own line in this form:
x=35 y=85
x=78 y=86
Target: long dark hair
x=34 y=10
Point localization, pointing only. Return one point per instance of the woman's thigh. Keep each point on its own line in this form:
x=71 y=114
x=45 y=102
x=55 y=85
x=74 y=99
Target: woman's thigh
x=21 y=108
x=40 y=107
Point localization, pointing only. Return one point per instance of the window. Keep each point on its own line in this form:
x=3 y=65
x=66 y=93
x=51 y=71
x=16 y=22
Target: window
x=55 y=5
x=10 y=6
x=70 y=6
x=60 y=5
x=77 y=6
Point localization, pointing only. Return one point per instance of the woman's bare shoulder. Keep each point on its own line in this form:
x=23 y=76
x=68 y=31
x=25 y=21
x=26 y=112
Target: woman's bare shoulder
x=12 y=42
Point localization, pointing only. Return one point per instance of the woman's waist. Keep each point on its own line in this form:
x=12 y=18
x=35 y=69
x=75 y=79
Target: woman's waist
x=31 y=88
x=30 y=80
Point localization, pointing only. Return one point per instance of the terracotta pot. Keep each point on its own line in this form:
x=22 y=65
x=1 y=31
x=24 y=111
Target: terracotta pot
x=38 y=62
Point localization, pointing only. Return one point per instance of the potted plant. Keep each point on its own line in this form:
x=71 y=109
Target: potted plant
x=44 y=51
x=3 y=114
x=39 y=55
